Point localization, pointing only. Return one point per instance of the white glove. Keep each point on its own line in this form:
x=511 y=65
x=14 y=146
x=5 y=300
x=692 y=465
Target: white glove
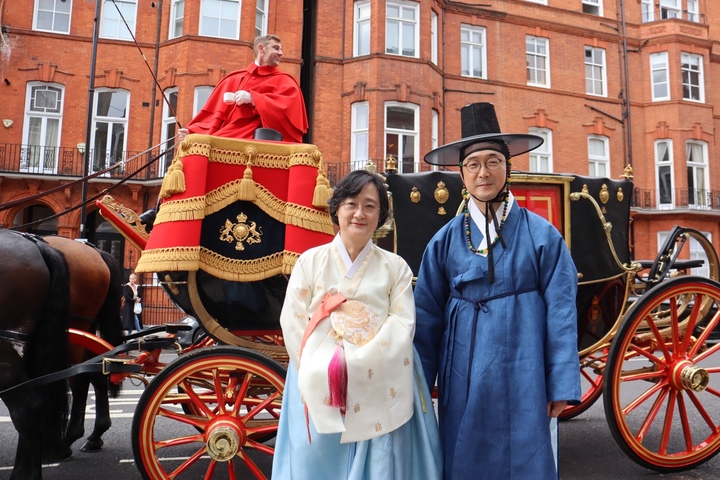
x=182 y=133
x=243 y=96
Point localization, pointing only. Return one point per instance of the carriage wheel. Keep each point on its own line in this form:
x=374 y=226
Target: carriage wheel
x=662 y=382
x=207 y=413
x=592 y=382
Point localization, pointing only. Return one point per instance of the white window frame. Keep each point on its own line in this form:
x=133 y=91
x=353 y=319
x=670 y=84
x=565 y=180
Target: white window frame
x=111 y=23
x=363 y=29
x=168 y=122
x=433 y=37
x=691 y=66
x=537 y=57
x=206 y=19
x=469 y=45
x=599 y=165
x=670 y=9
x=200 y=96
x=177 y=18
x=434 y=133
x=541 y=2
x=403 y=24
x=403 y=133
x=697 y=175
x=42 y=156
x=659 y=75
x=56 y=16
x=541 y=159
x=261 y=17
x=665 y=161
x=592 y=67
x=648 y=11
x=693 y=10
x=111 y=120
x=593 y=7
x=360 y=135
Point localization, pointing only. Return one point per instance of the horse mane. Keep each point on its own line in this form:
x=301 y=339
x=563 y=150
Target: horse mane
x=48 y=348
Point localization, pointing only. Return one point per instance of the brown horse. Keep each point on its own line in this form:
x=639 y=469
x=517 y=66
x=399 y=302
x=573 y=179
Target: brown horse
x=95 y=293
x=34 y=306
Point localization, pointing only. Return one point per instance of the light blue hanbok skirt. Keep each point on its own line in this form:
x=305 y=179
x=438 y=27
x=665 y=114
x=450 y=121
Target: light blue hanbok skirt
x=410 y=452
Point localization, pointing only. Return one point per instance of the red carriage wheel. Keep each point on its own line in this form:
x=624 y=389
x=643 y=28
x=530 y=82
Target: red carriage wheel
x=662 y=379
x=207 y=413
x=592 y=383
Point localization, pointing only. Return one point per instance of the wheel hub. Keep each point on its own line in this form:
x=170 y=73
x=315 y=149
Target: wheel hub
x=688 y=376
x=224 y=440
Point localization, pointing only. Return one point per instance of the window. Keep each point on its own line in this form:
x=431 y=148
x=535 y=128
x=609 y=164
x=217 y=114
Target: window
x=542 y=2
x=433 y=37
x=52 y=15
x=670 y=9
x=261 y=18
x=664 y=171
x=359 y=138
x=595 y=71
x=112 y=24
x=177 y=15
x=648 y=11
x=434 y=132
x=202 y=93
x=362 y=29
x=697 y=173
x=41 y=128
x=693 y=10
x=593 y=7
x=401 y=36
x=401 y=135
x=109 y=128
x=537 y=58
x=472 y=51
x=692 y=77
x=599 y=156
x=659 y=75
x=541 y=160
x=220 y=18
x=169 y=129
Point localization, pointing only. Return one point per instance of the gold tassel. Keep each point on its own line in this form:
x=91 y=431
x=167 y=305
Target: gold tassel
x=247 y=185
x=322 y=192
x=174 y=181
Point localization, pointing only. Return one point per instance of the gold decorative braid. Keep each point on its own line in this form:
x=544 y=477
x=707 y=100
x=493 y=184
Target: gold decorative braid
x=307 y=218
x=179 y=210
x=169 y=259
x=126 y=215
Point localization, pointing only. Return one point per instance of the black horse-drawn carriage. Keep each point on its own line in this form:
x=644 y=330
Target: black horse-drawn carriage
x=644 y=326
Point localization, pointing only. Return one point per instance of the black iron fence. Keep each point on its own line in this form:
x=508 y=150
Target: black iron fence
x=669 y=199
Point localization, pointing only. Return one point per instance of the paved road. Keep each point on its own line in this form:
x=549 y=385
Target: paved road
x=587 y=450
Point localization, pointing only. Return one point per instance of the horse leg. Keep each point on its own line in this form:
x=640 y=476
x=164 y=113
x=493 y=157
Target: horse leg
x=76 y=426
x=25 y=414
x=102 y=414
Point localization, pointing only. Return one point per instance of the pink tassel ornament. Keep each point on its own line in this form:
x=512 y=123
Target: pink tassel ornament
x=337 y=379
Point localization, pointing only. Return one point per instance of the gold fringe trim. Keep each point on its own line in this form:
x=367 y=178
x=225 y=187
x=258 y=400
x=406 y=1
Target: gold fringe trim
x=174 y=181
x=322 y=192
x=289 y=260
x=181 y=210
x=177 y=259
x=309 y=219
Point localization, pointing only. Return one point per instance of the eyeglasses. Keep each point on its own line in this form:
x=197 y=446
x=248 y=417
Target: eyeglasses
x=474 y=166
x=353 y=207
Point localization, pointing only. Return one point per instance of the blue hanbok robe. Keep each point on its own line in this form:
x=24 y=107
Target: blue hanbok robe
x=500 y=351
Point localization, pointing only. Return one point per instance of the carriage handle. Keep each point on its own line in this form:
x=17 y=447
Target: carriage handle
x=634 y=267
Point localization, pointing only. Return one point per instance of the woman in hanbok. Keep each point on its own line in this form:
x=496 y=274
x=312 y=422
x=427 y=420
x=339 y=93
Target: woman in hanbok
x=496 y=316
x=356 y=405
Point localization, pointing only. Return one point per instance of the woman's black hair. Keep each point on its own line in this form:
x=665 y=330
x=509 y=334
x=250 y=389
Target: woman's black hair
x=351 y=185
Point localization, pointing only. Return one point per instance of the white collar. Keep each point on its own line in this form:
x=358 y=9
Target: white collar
x=479 y=219
x=345 y=256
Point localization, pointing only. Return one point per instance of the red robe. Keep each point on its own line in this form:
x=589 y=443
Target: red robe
x=278 y=102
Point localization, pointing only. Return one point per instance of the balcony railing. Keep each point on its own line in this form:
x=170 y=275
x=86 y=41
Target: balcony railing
x=666 y=13
x=697 y=199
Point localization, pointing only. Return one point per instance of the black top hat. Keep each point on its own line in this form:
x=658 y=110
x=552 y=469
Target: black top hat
x=479 y=123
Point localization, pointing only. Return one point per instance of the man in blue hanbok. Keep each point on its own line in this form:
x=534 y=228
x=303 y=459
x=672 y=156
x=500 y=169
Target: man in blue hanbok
x=496 y=318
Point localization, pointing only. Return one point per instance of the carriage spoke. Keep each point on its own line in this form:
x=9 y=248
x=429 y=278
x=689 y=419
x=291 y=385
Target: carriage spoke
x=667 y=424
x=183 y=418
x=252 y=466
x=187 y=463
x=241 y=394
x=231 y=469
x=650 y=417
x=254 y=410
x=687 y=431
x=692 y=321
x=174 y=442
x=703 y=411
x=220 y=398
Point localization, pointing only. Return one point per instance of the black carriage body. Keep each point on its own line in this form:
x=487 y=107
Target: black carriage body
x=424 y=202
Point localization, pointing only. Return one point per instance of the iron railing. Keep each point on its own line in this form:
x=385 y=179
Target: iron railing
x=697 y=199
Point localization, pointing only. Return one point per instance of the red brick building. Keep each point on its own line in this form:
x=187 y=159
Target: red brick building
x=608 y=84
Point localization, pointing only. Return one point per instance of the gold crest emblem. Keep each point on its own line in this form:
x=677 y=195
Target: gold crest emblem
x=241 y=232
x=441 y=196
x=415 y=195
